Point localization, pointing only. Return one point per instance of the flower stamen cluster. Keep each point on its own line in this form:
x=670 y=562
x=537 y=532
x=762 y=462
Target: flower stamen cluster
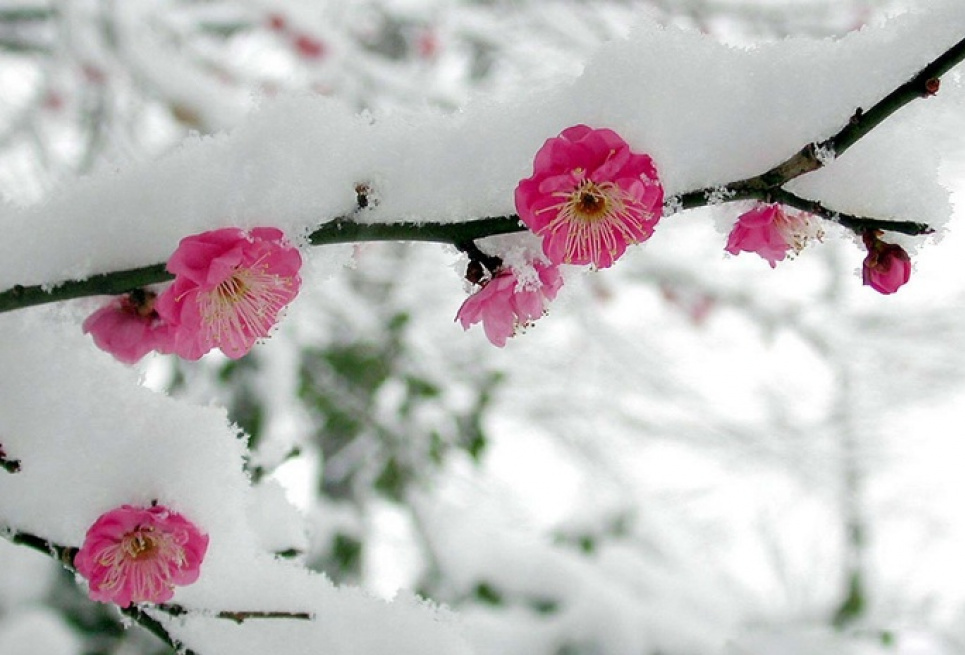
x=589 y=197
x=229 y=289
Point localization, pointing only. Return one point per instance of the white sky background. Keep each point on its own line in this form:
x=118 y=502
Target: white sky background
x=562 y=474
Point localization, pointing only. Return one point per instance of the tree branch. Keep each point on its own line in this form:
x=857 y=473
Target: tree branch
x=239 y=617
x=857 y=224
x=140 y=616
x=815 y=155
x=766 y=187
x=139 y=613
x=114 y=283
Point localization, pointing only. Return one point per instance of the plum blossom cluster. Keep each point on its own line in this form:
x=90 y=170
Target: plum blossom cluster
x=229 y=289
x=773 y=232
x=589 y=197
x=140 y=554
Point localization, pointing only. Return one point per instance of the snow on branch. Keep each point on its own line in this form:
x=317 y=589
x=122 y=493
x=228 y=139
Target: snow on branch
x=434 y=176
x=140 y=613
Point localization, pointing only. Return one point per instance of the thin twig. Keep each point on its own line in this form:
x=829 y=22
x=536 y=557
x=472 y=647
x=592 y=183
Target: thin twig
x=922 y=85
x=857 y=224
x=156 y=628
x=239 y=616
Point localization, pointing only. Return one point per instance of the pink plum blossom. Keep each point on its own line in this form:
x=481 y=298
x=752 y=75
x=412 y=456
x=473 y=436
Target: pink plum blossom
x=229 y=288
x=507 y=302
x=589 y=197
x=129 y=327
x=886 y=267
x=138 y=555
x=770 y=231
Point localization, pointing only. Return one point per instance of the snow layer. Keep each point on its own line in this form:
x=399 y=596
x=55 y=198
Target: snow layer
x=81 y=425
x=708 y=113
x=37 y=631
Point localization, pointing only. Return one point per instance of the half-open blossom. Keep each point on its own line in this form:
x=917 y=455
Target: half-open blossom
x=139 y=554
x=771 y=232
x=886 y=266
x=129 y=327
x=507 y=301
x=229 y=288
x=589 y=197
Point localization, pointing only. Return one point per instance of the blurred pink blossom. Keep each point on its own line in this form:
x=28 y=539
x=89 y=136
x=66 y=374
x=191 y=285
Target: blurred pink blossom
x=886 y=266
x=228 y=290
x=128 y=327
x=770 y=232
x=507 y=302
x=589 y=197
x=308 y=47
x=137 y=555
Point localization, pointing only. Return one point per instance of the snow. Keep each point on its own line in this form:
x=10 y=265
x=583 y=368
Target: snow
x=708 y=113
x=83 y=424
x=37 y=631
x=90 y=430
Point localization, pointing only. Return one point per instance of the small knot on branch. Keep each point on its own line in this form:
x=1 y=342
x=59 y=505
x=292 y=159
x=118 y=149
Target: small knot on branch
x=362 y=193
x=479 y=262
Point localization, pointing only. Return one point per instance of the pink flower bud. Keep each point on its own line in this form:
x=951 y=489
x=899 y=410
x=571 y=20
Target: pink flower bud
x=886 y=266
x=277 y=22
x=309 y=47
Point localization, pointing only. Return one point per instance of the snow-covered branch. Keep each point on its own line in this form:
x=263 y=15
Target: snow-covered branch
x=140 y=614
x=766 y=187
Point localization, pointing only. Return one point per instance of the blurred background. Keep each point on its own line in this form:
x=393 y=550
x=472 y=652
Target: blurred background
x=692 y=454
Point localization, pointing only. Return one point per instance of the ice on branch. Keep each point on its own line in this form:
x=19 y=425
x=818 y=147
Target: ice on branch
x=590 y=197
x=137 y=555
x=708 y=113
